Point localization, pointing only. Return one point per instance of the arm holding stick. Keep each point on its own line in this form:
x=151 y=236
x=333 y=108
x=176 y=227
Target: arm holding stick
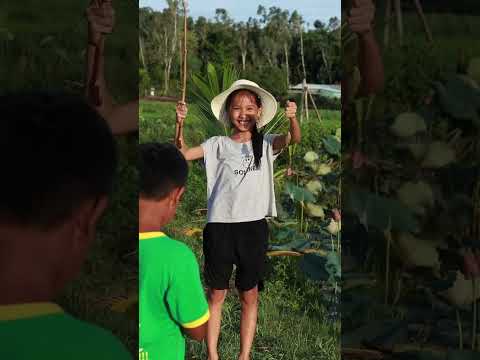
x=121 y=118
x=294 y=135
x=193 y=153
x=370 y=60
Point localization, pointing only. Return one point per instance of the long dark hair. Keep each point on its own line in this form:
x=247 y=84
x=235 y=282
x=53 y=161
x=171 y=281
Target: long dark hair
x=257 y=136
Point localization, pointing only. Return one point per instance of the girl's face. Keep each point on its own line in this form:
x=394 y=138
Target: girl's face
x=244 y=111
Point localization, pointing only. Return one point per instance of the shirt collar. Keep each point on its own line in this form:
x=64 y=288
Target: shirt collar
x=28 y=310
x=150 y=235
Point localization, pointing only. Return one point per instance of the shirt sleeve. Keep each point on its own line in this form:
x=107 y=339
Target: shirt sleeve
x=185 y=297
x=208 y=147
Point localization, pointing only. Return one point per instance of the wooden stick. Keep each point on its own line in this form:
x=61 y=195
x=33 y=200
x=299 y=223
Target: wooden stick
x=184 y=87
x=423 y=20
x=388 y=16
x=398 y=11
x=94 y=91
x=179 y=127
x=315 y=106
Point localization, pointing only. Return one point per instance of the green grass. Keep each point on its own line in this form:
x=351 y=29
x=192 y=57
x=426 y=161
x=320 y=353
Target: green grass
x=292 y=322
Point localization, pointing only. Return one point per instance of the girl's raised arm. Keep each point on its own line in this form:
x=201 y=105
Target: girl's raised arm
x=193 y=153
x=294 y=134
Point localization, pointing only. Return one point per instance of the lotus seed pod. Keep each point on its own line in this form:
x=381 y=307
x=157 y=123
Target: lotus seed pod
x=314 y=186
x=310 y=156
x=315 y=210
x=439 y=154
x=416 y=196
x=324 y=169
x=408 y=124
x=334 y=227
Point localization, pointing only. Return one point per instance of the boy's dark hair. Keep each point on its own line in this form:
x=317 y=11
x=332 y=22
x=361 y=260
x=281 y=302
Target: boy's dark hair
x=162 y=168
x=55 y=152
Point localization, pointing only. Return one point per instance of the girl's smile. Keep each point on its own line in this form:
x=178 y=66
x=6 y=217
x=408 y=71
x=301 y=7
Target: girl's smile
x=244 y=111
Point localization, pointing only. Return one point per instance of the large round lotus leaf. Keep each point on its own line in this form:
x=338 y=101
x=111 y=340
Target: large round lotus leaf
x=416 y=252
x=310 y=156
x=474 y=69
x=417 y=196
x=418 y=151
x=315 y=210
x=469 y=81
x=334 y=227
x=439 y=154
x=461 y=293
x=408 y=124
x=323 y=169
x=314 y=186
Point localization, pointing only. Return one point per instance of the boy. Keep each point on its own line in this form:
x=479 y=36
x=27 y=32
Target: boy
x=172 y=300
x=59 y=160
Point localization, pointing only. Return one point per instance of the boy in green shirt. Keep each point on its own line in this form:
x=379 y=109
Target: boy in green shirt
x=172 y=300
x=58 y=158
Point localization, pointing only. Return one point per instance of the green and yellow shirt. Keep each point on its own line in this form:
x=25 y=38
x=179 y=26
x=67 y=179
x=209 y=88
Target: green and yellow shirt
x=171 y=297
x=44 y=331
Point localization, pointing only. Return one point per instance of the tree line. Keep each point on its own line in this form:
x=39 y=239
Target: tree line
x=267 y=48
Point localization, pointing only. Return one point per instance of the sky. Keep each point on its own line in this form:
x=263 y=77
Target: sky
x=241 y=10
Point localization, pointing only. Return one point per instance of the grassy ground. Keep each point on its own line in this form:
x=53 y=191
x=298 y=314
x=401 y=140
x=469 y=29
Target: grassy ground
x=293 y=322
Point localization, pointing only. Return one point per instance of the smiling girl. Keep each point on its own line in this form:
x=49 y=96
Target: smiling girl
x=240 y=195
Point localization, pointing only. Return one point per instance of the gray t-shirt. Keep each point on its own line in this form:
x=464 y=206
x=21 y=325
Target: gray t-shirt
x=237 y=191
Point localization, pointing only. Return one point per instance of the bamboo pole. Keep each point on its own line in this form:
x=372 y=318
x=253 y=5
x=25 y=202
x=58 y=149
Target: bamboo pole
x=94 y=89
x=388 y=16
x=314 y=106
x=423 y=20
x=179 y=127
x=184 y=86
x=398 y=11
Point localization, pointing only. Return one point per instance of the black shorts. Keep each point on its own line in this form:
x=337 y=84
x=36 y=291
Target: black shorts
x=243 y=244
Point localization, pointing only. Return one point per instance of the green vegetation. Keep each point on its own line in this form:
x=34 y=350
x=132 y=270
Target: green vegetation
x=42 y=46
x=266 y=49
x=411 y=198
x=297 y=317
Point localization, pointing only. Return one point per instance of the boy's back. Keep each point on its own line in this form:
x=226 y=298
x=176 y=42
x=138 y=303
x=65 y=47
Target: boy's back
x=44 y=331
x=171 y=296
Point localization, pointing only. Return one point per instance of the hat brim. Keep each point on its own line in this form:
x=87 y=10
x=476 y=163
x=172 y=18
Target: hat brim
x=269 y=104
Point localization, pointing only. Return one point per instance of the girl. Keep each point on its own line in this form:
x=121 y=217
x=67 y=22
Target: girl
x=240 y=195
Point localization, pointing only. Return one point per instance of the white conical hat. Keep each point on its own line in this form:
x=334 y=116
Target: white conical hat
x=269 y=104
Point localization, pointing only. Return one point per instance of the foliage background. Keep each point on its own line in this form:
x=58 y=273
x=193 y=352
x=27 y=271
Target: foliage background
x=409 y=255
x=258 y=48
x=42 y=46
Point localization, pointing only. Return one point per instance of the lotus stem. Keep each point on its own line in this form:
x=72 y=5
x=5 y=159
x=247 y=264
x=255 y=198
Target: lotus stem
x=388 y=235
x=301 y=216
x=474 y=325
x=460 y=330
